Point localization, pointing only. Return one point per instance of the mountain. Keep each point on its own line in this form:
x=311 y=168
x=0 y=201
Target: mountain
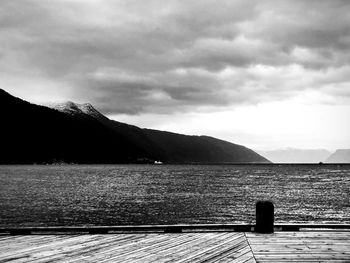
x=291 y=155
x=339 y=156
x=201 y=149
x=78 y=133
x=37 y=134
x=76 y=109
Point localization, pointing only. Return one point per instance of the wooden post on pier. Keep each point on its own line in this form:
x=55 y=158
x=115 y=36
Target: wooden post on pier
x=264 y=217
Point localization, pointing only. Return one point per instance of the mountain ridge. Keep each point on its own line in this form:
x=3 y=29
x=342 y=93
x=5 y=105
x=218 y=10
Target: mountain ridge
x=73 y=108
x=339 y=156
x=78 y=133
x=165 y=148
x=294 y=155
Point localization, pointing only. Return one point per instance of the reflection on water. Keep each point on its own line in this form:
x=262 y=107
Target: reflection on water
x=169 y=194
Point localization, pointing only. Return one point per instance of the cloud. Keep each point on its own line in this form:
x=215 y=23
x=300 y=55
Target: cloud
x=138 y=97
x=176 y=56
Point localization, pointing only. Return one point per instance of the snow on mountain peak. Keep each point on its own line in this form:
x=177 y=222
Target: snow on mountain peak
x=72 y=108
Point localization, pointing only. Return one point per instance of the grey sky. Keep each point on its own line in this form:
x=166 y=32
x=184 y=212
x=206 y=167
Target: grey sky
x=176 y=57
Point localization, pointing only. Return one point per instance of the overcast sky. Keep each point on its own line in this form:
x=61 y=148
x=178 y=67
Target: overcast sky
x=265 y=74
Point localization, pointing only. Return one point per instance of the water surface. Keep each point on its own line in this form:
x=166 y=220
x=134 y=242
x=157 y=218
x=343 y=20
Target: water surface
x=171 y=194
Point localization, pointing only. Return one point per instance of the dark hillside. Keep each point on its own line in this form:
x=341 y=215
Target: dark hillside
x=37 y=134
x=201 y=149
x=78 y=133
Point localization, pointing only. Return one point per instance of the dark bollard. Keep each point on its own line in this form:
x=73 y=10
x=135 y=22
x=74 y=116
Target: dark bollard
x=264 y=217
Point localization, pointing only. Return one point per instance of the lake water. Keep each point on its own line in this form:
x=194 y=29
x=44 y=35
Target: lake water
x=171 y=194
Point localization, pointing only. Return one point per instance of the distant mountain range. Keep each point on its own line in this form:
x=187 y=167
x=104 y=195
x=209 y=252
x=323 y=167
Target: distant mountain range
x=78 y=133
x=339 y=156
x=292 y=155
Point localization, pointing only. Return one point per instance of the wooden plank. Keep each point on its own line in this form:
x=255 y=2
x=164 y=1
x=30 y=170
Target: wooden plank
x=185 y=247
x=299 y=257
x=206 y=249
x=75 y=250
x=146 y=253
x=28 y=247
x=70 y=253
x=106 y=249
x=305 y=260
x=18 y=239
x=185 y=254
x=39 y=251
x=247 y=256
x=103 y=253
x=175 y=251
x=29 y=242
x=300 y=246
x=234 y=254
x=310 y=235
x=169 y=252
x=219 y=251
x=87 y=253
x=57 y=248
x=141 y=247
x=250 y=260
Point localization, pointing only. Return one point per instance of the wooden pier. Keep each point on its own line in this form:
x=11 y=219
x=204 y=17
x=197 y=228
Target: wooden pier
x=176 y=243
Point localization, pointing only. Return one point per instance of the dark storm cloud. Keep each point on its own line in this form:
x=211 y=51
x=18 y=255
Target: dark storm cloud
x=164 y=56
x=120 y=96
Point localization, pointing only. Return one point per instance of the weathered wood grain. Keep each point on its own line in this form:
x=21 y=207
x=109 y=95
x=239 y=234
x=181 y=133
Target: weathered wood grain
x=209 y=247
x=310 y=246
